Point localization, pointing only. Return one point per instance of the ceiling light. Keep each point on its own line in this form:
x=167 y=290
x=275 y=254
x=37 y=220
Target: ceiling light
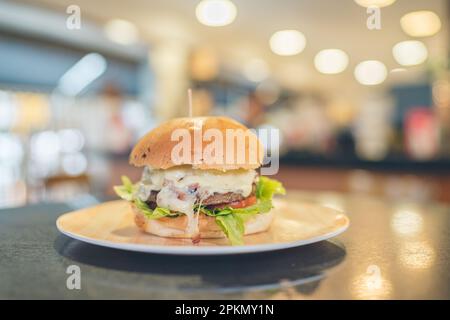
x=216 y=13
x=82 y=73
x=397 y=70
x=287 y=42
x=374 y=3
x=121 y=31
x=331 y=61
x=421 y=23
x=410 y=53
x=370 y=72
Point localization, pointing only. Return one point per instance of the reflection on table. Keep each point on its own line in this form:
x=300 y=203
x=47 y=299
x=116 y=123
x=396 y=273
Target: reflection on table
x=392 y=250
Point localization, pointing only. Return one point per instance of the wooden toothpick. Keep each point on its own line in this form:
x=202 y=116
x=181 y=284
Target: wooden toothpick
x=190 y=102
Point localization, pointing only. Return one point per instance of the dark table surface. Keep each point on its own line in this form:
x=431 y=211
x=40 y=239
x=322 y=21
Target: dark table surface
x=392 y=250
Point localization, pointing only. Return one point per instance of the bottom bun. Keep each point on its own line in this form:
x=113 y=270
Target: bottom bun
x=176 y=227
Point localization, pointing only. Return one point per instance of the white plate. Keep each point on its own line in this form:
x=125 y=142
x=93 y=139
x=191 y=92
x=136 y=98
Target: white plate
x=111 y=224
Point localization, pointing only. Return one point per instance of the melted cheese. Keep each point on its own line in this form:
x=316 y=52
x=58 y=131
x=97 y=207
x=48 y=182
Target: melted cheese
x=209 y=181
x=179 y=188
x=168 y=198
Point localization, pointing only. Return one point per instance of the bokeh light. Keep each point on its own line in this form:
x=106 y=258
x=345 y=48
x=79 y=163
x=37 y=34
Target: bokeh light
x=82 y=73
x=11 y=149
x=422 y=23
x=121 y=31
x=74 y=163
x=371 y=72
x=331 y=61
x=410 y=53
x=375 y=3
x=45 y=146
x=417 y=255
x=287 y=42
x=406 y=221
x=216 y=13
x=371 y=285
x=71 y=140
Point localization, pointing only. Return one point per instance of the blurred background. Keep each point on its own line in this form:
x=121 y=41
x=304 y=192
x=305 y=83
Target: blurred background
x=361 y=96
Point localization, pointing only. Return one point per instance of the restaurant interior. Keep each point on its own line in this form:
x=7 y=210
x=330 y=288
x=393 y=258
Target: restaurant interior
x=360 y=98
x=359 y=91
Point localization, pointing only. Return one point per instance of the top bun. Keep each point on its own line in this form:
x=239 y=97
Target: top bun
x=155 y=148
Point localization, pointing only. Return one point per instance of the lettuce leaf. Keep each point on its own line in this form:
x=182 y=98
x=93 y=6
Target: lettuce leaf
x=262 y=206
x=267 y=188
x=126 y=190
x=233 y=227
x=157 y=213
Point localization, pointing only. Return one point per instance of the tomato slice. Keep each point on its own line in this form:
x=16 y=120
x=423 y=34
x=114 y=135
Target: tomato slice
x=247 y=202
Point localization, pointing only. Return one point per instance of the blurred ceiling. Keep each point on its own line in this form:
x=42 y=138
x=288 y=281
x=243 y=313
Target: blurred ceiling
x=325 y=23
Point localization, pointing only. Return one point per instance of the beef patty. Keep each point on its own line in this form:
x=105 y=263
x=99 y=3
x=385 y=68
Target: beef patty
x=214 y=199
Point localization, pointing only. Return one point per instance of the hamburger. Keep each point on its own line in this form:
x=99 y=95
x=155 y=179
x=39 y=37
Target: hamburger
x=195 y=186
